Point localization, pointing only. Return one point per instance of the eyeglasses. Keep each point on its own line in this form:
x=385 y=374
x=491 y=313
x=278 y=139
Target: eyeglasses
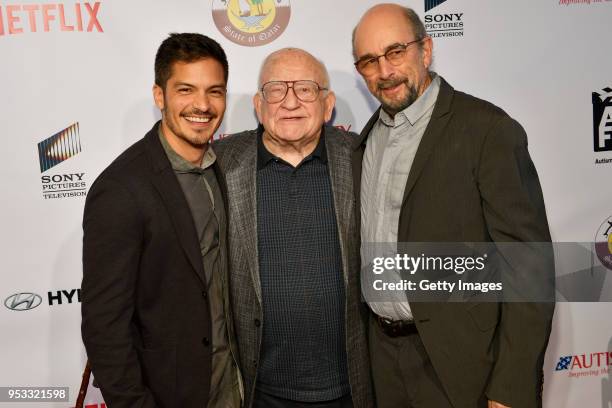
x=304 y=90
x=369 y=64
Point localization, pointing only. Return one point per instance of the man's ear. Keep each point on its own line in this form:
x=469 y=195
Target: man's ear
x=330 y=102
x=158 y=96
x=427 y=51
x=257 y=101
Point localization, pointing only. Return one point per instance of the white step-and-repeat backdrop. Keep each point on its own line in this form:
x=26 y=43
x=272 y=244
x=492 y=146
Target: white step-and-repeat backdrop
x=76 y=78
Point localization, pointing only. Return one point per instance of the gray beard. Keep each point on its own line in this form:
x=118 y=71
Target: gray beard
x=399 y=106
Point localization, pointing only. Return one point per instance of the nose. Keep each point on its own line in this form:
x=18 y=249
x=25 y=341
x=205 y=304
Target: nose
x=385 y=68
x=201 y=101
x=291 y=101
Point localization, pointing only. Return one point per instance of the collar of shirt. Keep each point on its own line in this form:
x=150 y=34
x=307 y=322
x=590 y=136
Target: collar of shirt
x=264 y=156
x=418 y=108
x=179 y=164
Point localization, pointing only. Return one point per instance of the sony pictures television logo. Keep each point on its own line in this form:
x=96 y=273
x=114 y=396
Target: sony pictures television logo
x=59 y=147
x=442 y=25
x=55 y=150
x=251 y=22
x=602 y=120
x=429 y=4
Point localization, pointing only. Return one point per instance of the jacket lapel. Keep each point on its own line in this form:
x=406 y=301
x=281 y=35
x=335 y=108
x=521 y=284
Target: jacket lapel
x=172 y=195
x=241 y=179
x=435 y=129
x=339 y=165
x=358 y=149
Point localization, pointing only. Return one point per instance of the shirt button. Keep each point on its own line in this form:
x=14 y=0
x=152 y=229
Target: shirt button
x=257 y=322
x=204 y=294
x=205 y=341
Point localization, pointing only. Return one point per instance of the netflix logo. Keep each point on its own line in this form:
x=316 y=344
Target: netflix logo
x=33 y=18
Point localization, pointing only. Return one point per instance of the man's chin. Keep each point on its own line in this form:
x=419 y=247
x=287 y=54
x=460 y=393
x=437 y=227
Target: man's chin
x=396 y=106
x=197 y=140
x=392 y=109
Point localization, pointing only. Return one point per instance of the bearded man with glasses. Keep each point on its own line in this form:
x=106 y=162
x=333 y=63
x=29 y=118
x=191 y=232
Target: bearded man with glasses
x=294 y=245
x=437 y=165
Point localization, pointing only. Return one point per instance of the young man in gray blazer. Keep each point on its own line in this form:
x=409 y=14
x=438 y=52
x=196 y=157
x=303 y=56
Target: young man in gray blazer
x=437 y=165
x=294 y=254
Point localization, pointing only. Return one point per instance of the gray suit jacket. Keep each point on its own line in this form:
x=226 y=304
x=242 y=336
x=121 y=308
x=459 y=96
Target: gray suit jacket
x=472 y=180
x=237 y=157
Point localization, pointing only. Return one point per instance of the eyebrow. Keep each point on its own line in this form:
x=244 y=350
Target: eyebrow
x=179 y=84
x=387 y=48
x=187 y=84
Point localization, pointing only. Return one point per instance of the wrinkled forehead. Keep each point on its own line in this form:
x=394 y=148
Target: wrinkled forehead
x=291 y=66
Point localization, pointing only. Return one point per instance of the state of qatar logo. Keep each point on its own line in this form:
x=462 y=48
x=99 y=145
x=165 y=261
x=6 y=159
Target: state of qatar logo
x=251 y=22
x=603 y=243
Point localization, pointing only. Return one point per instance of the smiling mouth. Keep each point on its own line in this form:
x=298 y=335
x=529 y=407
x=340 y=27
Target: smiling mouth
x=197 y=119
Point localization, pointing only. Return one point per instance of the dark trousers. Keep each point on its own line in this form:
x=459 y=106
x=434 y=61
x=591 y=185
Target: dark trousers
x=402 y=372
x=263 y=400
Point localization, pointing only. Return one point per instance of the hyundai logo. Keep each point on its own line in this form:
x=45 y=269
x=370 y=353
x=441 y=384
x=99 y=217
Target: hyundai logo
x=23 y=301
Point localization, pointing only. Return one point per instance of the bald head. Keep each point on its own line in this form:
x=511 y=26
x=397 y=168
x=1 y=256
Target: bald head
x=384 y=17
x=289 y=58
x=295 y=105
x=394 y=54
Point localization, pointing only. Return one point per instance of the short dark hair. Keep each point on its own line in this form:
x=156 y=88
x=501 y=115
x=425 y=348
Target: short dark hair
x=186 y=47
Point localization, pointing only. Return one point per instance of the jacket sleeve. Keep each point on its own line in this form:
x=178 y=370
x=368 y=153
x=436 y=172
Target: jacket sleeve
x=514 y=210
x=112 y=242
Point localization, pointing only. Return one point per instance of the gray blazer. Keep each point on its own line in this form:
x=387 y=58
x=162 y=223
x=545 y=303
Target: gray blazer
x=237 y=156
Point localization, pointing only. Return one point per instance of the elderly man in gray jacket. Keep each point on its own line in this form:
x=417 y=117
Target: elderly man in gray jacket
x=294 y=254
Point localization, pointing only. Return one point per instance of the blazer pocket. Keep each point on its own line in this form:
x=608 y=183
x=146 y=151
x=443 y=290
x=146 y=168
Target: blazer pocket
x=159 y=373
x=484 y=315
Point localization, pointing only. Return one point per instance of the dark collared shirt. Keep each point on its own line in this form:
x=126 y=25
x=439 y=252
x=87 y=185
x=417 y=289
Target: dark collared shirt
x=264 y=156
x=303 y=353
x=201 y=189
